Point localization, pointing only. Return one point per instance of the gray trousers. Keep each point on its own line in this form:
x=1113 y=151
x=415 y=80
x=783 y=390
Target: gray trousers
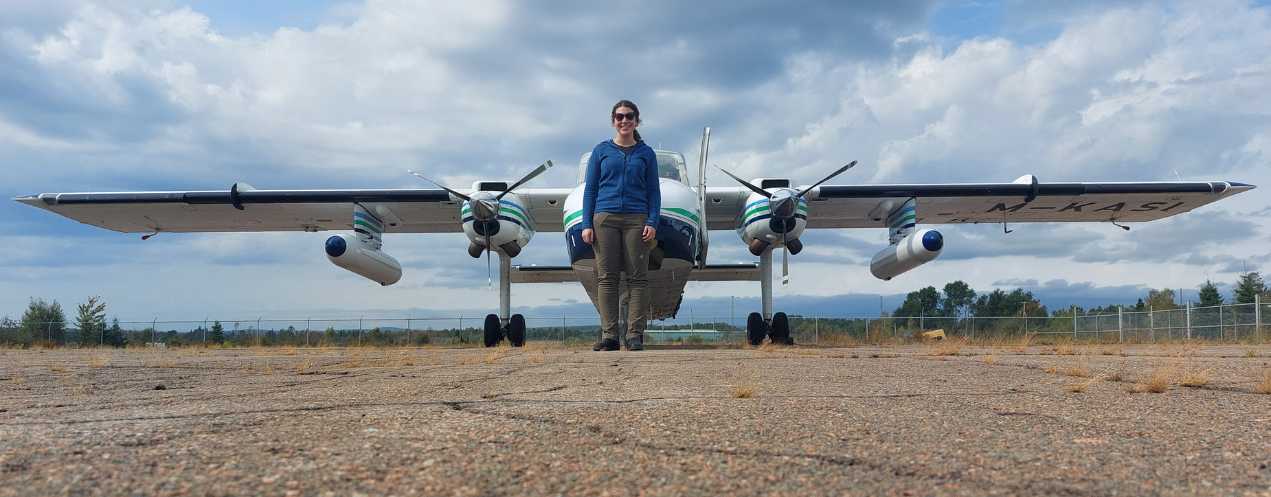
x=619 y=249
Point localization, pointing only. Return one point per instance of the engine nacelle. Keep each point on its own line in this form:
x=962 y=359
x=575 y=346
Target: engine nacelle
x=919 y=248
x=350 y=253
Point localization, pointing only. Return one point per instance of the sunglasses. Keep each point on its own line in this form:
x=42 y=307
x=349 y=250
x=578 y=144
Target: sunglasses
x=620 y=116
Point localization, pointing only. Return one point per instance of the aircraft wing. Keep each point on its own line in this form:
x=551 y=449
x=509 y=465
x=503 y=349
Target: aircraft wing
x=867 y=206
x=404 y=210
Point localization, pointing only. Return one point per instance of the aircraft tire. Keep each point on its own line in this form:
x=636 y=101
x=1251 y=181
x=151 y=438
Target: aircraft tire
x=756 y=329
x=493 y=330
x=516 y=330
x=781 y=329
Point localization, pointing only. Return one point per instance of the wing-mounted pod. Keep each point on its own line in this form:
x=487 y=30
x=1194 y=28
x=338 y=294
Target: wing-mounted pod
x=360 y=252
x=909 y=247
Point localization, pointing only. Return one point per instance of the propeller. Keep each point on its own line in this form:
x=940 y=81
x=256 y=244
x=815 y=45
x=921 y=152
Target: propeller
x=485 y=208
x=537 y=171
x=783 y=206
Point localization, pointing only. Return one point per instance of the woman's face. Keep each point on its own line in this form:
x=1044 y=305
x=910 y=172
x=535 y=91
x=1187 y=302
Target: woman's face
x=624 y=120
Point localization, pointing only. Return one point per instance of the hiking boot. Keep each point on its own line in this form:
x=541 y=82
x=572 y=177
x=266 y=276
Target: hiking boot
x=635 y=344
x=606 y=345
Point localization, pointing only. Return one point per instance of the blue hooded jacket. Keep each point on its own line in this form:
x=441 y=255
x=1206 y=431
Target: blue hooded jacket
x=622 y=182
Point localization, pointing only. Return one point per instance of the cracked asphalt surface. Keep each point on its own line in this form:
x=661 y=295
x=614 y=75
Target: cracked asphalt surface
x=548 y=420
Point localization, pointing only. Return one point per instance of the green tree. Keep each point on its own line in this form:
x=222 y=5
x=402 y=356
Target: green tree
x=114 y=335
x=924 y=302
x=90 y=318
x=1209 y=295
x=1161 y=300
x=1248 y=287
x=958 y=297
x=43 y=322
x=216 y=334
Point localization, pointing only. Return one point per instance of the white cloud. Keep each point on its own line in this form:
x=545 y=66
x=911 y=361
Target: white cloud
x=108 y=97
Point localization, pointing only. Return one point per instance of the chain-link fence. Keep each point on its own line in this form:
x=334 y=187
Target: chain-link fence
x=1227 y=323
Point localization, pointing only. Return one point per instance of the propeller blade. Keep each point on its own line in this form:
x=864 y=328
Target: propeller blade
x=746 y=184
x=827 y=178
x=785 y=261
x=489 y=273
x=537 y=171
x=439 y=185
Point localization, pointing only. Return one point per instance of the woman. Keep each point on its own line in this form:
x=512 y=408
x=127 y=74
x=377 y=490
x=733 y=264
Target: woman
x=621 y=203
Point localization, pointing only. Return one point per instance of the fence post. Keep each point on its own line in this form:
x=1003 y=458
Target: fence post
x=1220 y=332
x=1120 y=324
x=1151 y=323
x=154 y=328
x=409 y=333
x=359 y=331
x=1074 y=322
x=1189 y=320
x=1257 y=315
x=816 y=329
x=307 y=331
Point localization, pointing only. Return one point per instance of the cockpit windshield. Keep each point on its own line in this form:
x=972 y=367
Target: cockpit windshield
x=670 y=166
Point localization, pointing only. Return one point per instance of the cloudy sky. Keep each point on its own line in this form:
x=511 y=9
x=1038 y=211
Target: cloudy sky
x=167 y=95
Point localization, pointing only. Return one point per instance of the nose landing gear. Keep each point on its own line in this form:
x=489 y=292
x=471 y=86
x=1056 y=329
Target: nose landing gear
x=776 y=328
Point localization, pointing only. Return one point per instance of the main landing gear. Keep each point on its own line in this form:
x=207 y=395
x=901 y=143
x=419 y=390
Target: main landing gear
x=504 y=324
x=496 y=331
x=773 y=326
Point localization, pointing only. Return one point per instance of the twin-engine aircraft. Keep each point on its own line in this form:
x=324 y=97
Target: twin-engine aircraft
x=768 y=214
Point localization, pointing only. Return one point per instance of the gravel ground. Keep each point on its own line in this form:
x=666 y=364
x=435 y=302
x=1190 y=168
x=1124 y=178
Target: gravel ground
x=547 y=420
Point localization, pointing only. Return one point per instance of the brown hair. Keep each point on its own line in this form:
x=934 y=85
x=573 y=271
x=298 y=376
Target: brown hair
x=630 y=105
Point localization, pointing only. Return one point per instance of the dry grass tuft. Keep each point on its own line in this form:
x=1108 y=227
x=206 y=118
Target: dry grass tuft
x=305 y=366
x=536 y=357
x=1251 y=353
x=57 y=369
x=1082 y=386
x=1077 y=371
x=1263 y=386
x=1064 y=349
x=1158 y=382
x=495 y=355
x=99 y=360
x=989 y=359
x=948 y=347
x=1195 y=378
x=743 y=391
x=1051 y=369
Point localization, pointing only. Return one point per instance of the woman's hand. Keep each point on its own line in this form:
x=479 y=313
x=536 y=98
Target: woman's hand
x=648 y=233
x=589 y=236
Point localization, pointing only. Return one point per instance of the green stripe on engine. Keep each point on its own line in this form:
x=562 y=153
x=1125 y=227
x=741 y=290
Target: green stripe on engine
x=368 y=226
x=761 y=208
x=904 y=219
x=514 y=212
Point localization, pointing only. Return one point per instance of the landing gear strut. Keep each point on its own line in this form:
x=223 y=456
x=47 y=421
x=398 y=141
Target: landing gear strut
x=775 y=326
x=505 y=324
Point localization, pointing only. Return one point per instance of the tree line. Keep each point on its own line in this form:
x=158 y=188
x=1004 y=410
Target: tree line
x=958 y=300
